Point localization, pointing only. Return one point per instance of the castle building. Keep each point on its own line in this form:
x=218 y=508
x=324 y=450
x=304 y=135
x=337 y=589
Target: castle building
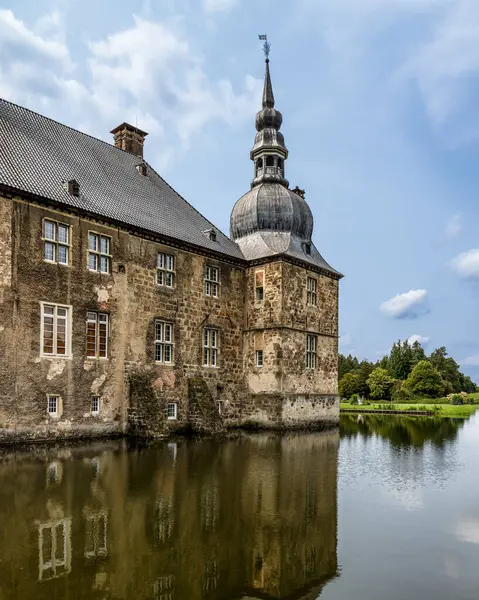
x=123 y=309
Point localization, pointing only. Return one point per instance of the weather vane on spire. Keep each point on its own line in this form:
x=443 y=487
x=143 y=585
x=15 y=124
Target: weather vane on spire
x=266 y=47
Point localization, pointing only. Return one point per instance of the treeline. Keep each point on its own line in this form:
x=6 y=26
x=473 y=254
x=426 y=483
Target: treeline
x=405 y=372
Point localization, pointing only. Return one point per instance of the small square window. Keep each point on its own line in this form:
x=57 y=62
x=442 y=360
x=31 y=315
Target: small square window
x=172 y=411
x=95 y=405
x=53 y=405
x=259 y=358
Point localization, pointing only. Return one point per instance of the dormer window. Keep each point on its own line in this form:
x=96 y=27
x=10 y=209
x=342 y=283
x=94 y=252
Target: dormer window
x=142 y=170
x=210 y=234
x=73 y=187
x=307 y=248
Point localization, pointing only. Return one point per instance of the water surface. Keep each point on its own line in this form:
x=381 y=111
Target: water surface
x=388 y=507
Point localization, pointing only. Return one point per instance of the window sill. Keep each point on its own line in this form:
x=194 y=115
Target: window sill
x=163 y=364
x=55 y=262
x=172 y=418
x=57 y=356
x=101 y=358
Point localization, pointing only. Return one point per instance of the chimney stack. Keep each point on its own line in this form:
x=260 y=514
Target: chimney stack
x=129 y=138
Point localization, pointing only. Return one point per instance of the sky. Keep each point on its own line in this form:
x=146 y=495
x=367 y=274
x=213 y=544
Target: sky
x=380 y=100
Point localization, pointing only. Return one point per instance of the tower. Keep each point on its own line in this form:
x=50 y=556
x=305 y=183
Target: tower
x=291 y=333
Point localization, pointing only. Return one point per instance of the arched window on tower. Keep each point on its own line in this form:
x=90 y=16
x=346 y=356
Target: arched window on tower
x=280 y=166
x=259 y=167
x=270 y=161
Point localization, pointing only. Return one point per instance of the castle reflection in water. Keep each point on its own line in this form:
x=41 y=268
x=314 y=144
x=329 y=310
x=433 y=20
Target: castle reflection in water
x=250 y=517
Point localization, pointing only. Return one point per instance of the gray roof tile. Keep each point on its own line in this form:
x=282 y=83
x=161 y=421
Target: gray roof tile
x=38 y=154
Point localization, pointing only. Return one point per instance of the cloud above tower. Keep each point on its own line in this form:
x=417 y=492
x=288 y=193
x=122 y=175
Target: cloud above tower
x=409 y=304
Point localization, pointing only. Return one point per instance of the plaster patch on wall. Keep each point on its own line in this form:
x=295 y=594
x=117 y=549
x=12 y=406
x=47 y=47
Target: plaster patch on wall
x=97 y=383
x=165 y=379
x=56 y=368
x=102 y=294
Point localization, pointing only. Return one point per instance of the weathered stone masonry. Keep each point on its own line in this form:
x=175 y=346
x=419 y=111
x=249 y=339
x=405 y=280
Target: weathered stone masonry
x=245 y=333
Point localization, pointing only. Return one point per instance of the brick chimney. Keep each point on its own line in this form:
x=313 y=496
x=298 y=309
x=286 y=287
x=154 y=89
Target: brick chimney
x=129 y=138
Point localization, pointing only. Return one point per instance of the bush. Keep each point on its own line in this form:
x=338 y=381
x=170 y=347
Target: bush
x=354 y=400
x=456 y=399
x=402 y=394
x=425 y=380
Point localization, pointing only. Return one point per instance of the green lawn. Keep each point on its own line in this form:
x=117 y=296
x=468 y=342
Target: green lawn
x=439 y=410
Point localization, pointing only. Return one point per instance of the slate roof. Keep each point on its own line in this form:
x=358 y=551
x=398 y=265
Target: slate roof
x=38 y=154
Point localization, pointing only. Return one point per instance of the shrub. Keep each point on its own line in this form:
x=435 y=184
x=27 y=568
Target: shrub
x=425 y=380
x=456 y=399
x=354 y=400
x=402 y=394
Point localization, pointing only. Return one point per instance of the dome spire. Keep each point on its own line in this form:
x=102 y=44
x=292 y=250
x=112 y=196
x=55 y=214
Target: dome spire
x=269 y=151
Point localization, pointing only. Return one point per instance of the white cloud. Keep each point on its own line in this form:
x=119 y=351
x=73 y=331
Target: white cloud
x=471 y=361
x=146 y=74
x=218 y=5
x=466 y=264
x=408 y=304
x=454 y=226
x=415 y=337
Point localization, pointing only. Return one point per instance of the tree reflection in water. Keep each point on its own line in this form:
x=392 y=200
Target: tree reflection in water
x=249 y=517
x=401 y=430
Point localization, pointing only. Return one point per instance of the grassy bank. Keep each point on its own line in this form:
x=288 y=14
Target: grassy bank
x=437 y=409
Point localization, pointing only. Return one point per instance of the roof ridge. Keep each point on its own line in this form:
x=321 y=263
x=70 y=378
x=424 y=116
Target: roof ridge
x=88 y=135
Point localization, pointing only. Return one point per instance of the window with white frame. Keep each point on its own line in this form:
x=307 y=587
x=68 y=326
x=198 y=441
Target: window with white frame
x=212 y=281
x=259 y=358
x=163 y=342
x=96 y=535
x=55 y=330
x=311 y=291
x=165 y=270
x=96 y=335
x=99 y=253
x=95 y=405
x=172 y=411
x=54 y=547
x=259 y=286
x=53 y=405
x=311 y=346
x=210 y=347
x=56 y=242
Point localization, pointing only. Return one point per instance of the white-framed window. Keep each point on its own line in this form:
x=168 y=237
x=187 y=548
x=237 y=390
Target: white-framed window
x=165 y=270
x=259 y=286
x=311 y=291
x=163 y=342
x=311 y=348
x=212 y=281
x=56 y=242
x=259 y=358
x=96 y=535
x=53 y=405
x=172 y=411
x=99 y=253
x=54 y=548
x=55 y=330
x=96 y=335
x=210 y=347
x=95 y=405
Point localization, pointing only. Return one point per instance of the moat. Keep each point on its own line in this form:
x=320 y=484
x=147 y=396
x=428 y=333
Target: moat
x=386 y=507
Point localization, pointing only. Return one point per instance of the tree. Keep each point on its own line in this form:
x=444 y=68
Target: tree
x=348 y=385
x=417 y=354
x=347 y=364
x=447 y=367
x=425 y=380
x=400 y=360
x=380 y=384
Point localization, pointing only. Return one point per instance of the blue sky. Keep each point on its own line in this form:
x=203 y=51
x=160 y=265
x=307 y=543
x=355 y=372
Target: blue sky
x=380 y=100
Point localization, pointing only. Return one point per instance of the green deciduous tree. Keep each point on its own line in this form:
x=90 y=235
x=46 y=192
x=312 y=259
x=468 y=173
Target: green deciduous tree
x=380 y=384
x=425 y=380
x=348 y=385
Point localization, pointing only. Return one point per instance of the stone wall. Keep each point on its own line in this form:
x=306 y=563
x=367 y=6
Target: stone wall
x=133 y=300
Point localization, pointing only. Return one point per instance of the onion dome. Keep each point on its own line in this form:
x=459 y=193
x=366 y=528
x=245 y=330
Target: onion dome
x=271 y=219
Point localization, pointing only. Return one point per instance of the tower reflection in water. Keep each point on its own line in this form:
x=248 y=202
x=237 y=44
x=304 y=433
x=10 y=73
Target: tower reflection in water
x=253 y=517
